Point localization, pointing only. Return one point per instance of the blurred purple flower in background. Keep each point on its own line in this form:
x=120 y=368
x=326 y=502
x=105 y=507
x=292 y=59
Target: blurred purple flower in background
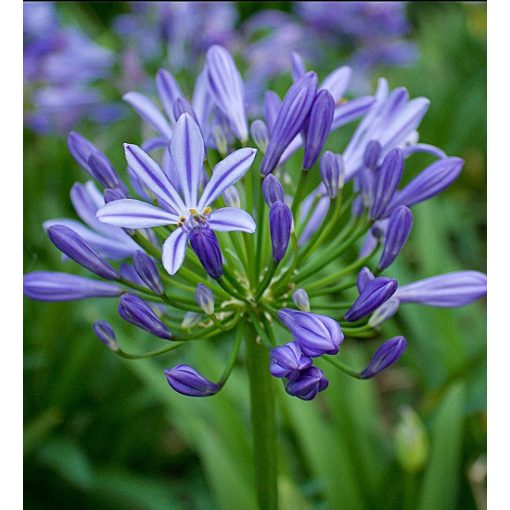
x=60 y=65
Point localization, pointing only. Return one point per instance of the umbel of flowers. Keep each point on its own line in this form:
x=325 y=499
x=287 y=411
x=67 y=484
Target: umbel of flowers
x=208 y=234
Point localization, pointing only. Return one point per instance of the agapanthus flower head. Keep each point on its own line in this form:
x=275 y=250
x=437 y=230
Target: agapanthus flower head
x=105 y=333
x=315 y=334
x=288 y=361
x=387 y=354
x=310 y=382
x=135 y=310
x=373 y=295
x=187 y=381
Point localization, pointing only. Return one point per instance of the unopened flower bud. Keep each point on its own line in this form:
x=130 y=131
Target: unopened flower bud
x=386 y=182
x=105 y=333
x=231 y=197
x=372 y=154
x=387 y=354
x=220 y=138
x=332 y=171
x=205 y=244
x=190 y=320
x=280 y=225
x=103 y=170
x=300 y=298
x=260 y=134
x=187 y=381
x=288 y=361
x=272 y=190
x=364 y=277
x=138 y=312
x=182 y=105
x=399 y=228
x=147 y=271
x=205 y=298
x=386 y=311
x=310 y=382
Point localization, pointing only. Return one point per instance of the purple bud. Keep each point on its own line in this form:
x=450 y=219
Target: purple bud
x=372 y=154
x=298 y=66
x=112 y=194
x=272 y=190
x=205 y=298
x=205 y=244
x=138 y=312
x=288 y=361
x=384 y=312
x=81 y=149
x=187 y=381
x=373 y=295
x=147 y=271
x=317 y=127
x=332 y=172
x=280 y=226
x=315 y=334
x=54 y=286
x=73 y=245
x=272 y=104
x=182 y=105
x=399 y=228
x=231 y=197
x=226 y=88
x=364 y=277
x=105 y=333
x=260 y=134
x=431 y=181
x=103 y=171
x=386 y=182
x=300 y=298
x=310 y=382
x=445 y=290
x=389 y=352
x=290 y=120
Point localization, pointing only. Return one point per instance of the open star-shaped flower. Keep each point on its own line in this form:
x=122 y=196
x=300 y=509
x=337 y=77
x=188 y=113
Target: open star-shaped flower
x=183 y=208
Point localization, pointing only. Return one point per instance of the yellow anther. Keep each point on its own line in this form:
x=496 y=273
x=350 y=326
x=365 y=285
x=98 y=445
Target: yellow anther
x=194 y=212
x=207 y=210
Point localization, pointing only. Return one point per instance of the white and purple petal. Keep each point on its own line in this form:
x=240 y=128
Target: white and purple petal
x=227 y=219
x=149 y=112
x=174 y=250
x=129 y=213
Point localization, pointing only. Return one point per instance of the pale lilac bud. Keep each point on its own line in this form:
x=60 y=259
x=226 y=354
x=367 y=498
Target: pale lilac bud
x=332 y=170
x=272 y=190
x=399 y=228
x=55 y=286
x=387 y=354
x=372 y=154
x=187 y=381
x=317 y=127
x=146 y=269
x=260 y=134
x=386 y=182
x=310 y=382
x=288 y=361
x=280 y=226
x=205 y=299
x=301 y=300
x=75 y=247
x=231 y=197
x=182 y=105
x=105 y=333
x=190 y=320
x=384 y=312
x=373 y=295
x=103 y=170
x=81 y=149
x=205 y=244
x=364 y=277
x=315 y=334
x=138 y=312
x=290 y=120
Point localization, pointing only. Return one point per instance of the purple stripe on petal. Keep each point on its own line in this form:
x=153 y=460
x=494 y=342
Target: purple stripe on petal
x=174 y=250
x=135 y=214
x=168 y=91
x=149 y=113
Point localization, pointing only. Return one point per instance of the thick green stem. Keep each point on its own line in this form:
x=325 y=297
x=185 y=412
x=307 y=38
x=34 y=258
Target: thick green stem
x=263 y=421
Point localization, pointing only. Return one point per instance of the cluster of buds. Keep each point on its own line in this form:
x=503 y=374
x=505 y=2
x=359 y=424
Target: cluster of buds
x=209 y=236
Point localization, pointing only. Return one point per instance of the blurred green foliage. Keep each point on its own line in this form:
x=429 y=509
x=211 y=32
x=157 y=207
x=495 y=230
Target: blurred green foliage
x=106 y=433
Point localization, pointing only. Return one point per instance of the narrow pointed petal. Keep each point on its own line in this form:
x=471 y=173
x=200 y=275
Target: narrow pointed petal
x=351 y=110
x=149 y=113
x=81 y=149
x=337 y=81
x=135 y=214
x=187 y=149
x=225 y=173
x=174 y=250
x=168 y=91
x=227 y=219
x=226 y=88
x=152 y=177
